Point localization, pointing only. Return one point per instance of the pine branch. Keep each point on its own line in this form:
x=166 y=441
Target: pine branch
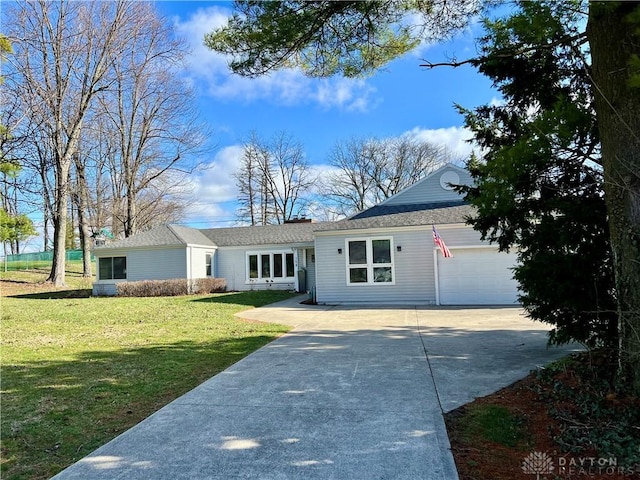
x=580 y=38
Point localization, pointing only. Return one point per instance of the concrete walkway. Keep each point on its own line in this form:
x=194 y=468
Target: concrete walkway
x=347 y=394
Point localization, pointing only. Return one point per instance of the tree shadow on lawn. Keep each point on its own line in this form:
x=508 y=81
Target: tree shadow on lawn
x=56 y=412
x=56 y=295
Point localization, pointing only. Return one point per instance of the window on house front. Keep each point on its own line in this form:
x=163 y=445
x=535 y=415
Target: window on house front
x=369 y=261
x=112 y=268
x=265 y=266
x=208 y=263
x=290 y=267
x=253 y=266
x=277 y=266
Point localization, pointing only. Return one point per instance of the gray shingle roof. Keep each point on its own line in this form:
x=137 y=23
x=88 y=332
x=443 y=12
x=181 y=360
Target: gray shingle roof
x=379 y=216
x=383 y=216
x=288 y=233
x=380 y=210
x=164 y=235
x=191 y=236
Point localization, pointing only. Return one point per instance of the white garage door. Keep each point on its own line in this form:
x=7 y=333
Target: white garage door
x=477 y=276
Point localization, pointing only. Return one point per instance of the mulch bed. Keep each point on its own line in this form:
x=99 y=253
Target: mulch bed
x=480 y=459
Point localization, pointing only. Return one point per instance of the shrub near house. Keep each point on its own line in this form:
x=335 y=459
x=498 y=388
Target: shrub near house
x=169 y=288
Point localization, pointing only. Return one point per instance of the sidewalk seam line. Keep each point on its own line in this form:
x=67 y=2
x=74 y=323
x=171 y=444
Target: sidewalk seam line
x=426 y=354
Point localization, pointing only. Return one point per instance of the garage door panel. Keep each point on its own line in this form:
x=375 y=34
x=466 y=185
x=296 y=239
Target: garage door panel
x=477 y=276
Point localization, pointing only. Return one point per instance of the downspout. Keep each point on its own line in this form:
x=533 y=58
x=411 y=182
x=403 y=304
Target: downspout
x=214 y=264
x=296 y=266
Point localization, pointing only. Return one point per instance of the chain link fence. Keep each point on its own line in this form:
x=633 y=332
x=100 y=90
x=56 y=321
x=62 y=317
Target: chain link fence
x=31 y=261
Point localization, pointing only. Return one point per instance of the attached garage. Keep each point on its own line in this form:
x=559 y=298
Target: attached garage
x=476 y=276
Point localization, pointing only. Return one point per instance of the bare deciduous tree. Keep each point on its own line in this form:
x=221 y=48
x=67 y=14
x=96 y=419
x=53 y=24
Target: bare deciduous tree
x=348 y=185
x=248 y=182
x=151 y=111
x=80 y=197
x=62 y=53
x=273 y=179
x=366 y=171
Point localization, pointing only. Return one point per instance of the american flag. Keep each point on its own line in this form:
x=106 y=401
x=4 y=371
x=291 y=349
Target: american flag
x=437 y=239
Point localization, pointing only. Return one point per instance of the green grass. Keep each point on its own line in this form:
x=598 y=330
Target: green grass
x=26 y=265
x=36 y=275
x=494 y=423
x=76 y=372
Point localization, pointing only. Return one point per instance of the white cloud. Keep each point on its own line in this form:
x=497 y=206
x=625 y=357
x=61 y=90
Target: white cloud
x=284 y=87
x=214 y=190
x=454 y=139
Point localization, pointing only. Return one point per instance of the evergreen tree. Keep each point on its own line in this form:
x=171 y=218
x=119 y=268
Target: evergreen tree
x=539 y=184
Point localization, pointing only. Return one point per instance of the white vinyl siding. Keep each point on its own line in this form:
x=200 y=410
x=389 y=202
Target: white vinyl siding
x=311 y=268
x=151 y=264
x=413 y=271
x=197 y=258
x=162 y=264
x=144 y=264
x=231 y=266
x=457 y=235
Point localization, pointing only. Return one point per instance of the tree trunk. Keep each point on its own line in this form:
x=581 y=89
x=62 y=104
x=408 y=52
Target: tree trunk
x=71 y=223
x=45 y=229
x=613 y=41
x=46 y=205
x=130 y=223
x=83 y=221
x=57 y=275
x=85 y=238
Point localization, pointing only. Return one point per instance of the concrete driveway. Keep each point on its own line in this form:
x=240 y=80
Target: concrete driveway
x=349 y=393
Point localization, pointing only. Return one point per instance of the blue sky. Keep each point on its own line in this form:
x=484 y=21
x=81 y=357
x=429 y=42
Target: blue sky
x=401 y=99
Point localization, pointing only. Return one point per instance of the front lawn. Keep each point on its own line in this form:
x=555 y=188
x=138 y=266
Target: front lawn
x=77 y=372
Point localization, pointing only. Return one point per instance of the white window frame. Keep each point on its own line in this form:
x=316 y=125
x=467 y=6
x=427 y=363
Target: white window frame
x=270 y=278
x=369 y=265
x=209 y=265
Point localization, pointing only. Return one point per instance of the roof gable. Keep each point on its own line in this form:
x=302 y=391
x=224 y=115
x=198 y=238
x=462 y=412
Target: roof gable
x=433 y=188
x=191 y=236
